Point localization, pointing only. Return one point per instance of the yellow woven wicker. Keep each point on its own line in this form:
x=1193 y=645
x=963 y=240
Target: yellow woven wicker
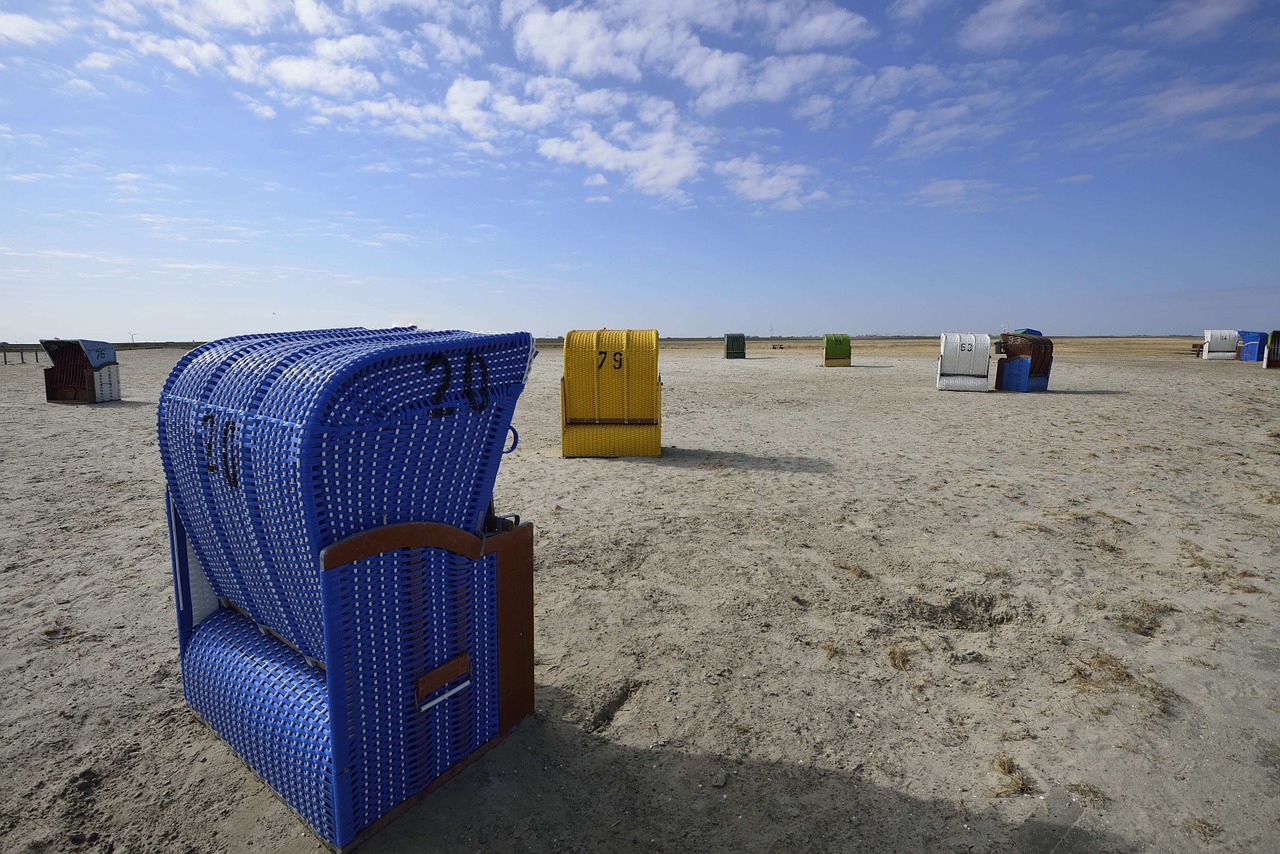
x=611 y=394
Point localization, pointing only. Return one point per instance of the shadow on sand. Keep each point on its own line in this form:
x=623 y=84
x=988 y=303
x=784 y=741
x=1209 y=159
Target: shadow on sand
x=552 y=786
x=1055 y=392
x=698 y=458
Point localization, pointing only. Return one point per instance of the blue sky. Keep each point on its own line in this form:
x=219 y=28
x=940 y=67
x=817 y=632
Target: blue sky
x=189 y=169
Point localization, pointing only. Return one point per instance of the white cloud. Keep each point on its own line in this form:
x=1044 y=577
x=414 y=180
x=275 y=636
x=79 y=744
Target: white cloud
x=597 y=102
x=596 y=180
x=345 y=49
x=944 y=125
x=1182 y=20
x=782 y=75
x=578 y=42
x=824 y=25
x=24 y=29
x=782 y=184
x=374 y=8
x=892 y=81
x=303 y=72
x=202 y=17
x=259 y=109
x=628 y=38
x=550 y=99
x=186 y=54
x=1009 y=23
x=413 y=56
x=1194 y=111
x=911 y=11
x=1075 y=179
x=78 y=86
x=184 y=265
x=245 y=64
x=1236 y=127
x=1115 y=64
x=656 y=160
x=723 y=79
x=390 y=113
x=598 y=200
x=97 y=61
x=718 y=75
x=464 y=104
x=316 y=18
x=1190 y=99
x=956 y=193
x=818 y=109
x=325 y=72
x=450 y=47
x=120 y=10
x=1190 y=112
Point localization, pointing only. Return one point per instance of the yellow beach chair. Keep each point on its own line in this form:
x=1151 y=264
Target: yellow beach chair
x=611 y=394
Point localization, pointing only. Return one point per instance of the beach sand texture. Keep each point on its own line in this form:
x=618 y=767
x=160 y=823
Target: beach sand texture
x=844 y=611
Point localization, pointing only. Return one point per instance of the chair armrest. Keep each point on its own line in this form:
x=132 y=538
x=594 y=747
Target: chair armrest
x=406 y=535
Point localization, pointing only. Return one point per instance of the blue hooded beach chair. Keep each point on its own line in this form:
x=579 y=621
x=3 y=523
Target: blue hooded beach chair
x=338 y=570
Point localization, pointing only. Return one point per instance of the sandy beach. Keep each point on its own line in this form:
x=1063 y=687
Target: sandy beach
x=844 y=611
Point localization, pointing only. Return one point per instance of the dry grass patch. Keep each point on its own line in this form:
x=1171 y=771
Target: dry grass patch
x=1105 y=673
x=899 y=658
x=1089 y=794
x=1145 y=616
x=1024 y=734
x=968 y=611
x=830 y=649
x=854 y=569
x=1016 y=780
x=1232 y=578
x=1193 y=554
x=1203 y=828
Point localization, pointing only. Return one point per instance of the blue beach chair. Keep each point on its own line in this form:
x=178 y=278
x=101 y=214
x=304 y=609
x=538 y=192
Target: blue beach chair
x=1026 y=362
x=338 y=572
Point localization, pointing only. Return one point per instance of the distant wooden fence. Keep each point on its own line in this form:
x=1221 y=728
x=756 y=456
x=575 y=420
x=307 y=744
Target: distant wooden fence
x=20 y=351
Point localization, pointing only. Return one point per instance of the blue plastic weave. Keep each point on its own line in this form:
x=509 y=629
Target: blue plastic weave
x=443 y=606
x=397 y=616
x=270 y=705
x=1015 y=375
x=275 y=447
